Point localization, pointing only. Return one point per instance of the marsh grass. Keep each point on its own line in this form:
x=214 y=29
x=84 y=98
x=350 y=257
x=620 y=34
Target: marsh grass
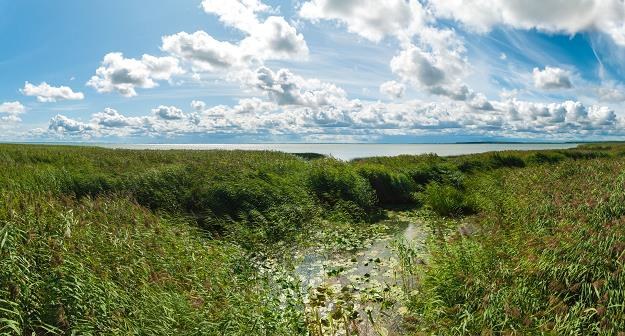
x=99 y=241
x=544 y=255
x=109 y=266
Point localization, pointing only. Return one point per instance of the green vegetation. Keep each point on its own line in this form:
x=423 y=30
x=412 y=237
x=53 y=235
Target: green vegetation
x=544 y=254
x=99 y=241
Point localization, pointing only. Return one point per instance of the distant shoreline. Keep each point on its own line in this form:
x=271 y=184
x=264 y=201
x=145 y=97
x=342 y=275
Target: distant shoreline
x=343 y=151
x=309 y=143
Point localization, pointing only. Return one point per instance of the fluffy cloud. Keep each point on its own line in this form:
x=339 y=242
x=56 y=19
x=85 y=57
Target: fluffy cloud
x=611 y=92
x=169 y=112
x=554 y=16
x=63 y=125
x=274 y=39
x=198 y=105
x=420 y=67
x=12 y=108
x=112 y=119
x=435 y=62
x=438 y=65
x=124 y=75
x=240 y=14
x=551 y=78
x=568 y=116
x=393 y=89
x=110 y=122
x=202 y=51
x=10 y=111
x=50 y=94
x=285 y=88
x=270 y=39
x=371 y=19
x=355 y=117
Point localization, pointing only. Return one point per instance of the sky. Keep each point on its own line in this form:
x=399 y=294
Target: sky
x=331 y=71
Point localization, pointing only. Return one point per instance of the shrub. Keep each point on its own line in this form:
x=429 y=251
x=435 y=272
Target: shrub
x=499 y=160
x=547 y=157
x=584 y=155
x=470 y=165
x=391 y=188
x=333 y=182
x=310 y=156
x=165 y=188
x=423 y=174
x=445 y=199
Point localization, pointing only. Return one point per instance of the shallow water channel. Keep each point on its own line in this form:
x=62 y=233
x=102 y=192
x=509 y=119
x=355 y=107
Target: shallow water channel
x=361 y=291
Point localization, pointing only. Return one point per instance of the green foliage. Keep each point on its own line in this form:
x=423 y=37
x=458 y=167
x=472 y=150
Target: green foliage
x=340 y=187
x=544 y=158
x=109 y=266
x=544 y=255
x=499 y=160
x=166 y=188
x=471 y=165
x=98 y=241
x=391 y=188
x=585 y=155
x=445 y=199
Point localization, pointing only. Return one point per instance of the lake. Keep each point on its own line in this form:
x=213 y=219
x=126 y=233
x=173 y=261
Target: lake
x=353 y=151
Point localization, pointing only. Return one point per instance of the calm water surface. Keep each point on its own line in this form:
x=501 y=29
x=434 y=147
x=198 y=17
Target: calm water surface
x=353 y=151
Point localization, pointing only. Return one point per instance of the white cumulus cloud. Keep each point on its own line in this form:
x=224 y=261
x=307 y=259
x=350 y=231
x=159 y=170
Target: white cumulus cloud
x=371 y=19
x=272 y=38
x=437 y=66
x=553 y=16
x=361 y=118
x=12 y=107
x=10 y=111
x=46 y=93
x=169 y=112
x=393 y=89
x=202 y=51
x=125 y=75
x=113 y=119
x=431 y=59
x=286 y=88
x=63 y=125
x=551 y=78
x=240 y=14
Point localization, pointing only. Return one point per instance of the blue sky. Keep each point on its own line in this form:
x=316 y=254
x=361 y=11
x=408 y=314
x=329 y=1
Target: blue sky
x=311 y=70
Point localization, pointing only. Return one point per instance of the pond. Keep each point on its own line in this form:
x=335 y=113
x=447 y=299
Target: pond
x=360 y=291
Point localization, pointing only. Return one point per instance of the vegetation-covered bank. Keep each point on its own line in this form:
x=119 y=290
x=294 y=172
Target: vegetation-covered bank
x=543 y=255
x=99 y=241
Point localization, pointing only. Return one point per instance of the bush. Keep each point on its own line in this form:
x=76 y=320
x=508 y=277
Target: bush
x=499 y=160
x=269 y=208
x=422 y=174
x=445 y=200
x=333 y=182
x=584 y=155
x=165 y=188
x=546 y=158
x=391 y=188
x=470 y=165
